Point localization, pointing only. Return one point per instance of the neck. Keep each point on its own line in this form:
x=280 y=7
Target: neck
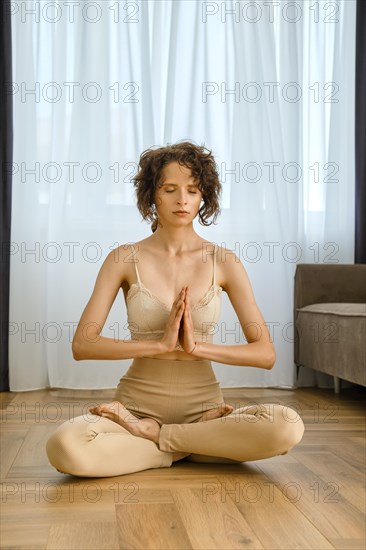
x=176 y=240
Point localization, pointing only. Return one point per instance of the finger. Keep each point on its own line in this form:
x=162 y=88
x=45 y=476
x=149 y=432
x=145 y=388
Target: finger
x=176 y=313
x=176 y=304
x=188 y=297
x=187 y=312
x=183 y=292
x=179 y=312
x=180 y=294
x=179 y=298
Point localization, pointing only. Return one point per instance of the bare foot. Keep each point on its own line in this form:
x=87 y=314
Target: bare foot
x=148 y=428
x=222 y=410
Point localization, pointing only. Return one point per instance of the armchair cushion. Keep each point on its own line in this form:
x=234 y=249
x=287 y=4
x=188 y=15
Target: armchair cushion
x=330 y=319
x=350 y=310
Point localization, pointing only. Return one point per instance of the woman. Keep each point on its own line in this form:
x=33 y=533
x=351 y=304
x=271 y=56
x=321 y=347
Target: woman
x=169 y=404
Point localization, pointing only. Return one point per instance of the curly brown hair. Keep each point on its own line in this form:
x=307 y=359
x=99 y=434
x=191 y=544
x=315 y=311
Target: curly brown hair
x=203 y=167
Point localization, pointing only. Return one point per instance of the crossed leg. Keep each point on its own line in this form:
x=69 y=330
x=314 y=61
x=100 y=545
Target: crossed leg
x=252 y=432
x=92 y=446
x=103 y=447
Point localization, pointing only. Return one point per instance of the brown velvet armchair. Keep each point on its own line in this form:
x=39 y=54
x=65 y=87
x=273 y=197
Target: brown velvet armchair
x=330 y=320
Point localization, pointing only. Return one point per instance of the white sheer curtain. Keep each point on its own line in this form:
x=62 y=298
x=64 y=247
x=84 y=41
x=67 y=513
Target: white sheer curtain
x=269 y=87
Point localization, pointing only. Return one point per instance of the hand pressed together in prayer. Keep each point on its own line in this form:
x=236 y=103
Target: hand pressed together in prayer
x=180 y=324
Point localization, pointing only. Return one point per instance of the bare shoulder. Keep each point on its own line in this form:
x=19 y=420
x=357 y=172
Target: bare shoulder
x=231 y=271
x=125 y=253
x=119 y=261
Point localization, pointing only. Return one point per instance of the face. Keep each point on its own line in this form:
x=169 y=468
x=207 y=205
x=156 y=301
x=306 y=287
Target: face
x=178 y=192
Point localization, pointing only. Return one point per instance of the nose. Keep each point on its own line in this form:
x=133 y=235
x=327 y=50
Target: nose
x=182 y=199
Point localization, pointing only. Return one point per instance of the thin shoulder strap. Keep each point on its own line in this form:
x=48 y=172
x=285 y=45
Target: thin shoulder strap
x=214 y=266
x=135 y=260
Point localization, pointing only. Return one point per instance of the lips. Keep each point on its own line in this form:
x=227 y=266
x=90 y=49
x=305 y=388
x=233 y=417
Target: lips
x=180 y=212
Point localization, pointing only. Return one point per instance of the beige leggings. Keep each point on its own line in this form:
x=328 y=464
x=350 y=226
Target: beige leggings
x=176 y=394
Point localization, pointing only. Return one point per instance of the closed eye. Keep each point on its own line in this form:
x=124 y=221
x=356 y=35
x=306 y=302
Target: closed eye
x=172 y=191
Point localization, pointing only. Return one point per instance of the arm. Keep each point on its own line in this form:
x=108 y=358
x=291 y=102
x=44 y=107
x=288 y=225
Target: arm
x=259 y=351
x=89 y=344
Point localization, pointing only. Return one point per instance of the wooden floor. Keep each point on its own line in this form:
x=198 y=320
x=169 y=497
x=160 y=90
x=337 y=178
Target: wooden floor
x=314 y=497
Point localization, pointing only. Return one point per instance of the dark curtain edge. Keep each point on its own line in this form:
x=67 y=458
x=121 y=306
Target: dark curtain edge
x=6 y=125
x=360 y=135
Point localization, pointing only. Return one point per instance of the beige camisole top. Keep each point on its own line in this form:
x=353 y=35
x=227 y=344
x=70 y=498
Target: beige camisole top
x=147 y=315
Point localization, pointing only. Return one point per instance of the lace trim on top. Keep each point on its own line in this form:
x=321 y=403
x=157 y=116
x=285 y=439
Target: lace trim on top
x=205 y=300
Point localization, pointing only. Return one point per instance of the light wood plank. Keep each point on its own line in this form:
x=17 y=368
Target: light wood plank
x=11 y=443
x=38 y=408
x=259 y=499
x=349 y=544
x=352 y=452
x=32 y=452
x=38 y=512
x=319 y=500
x=78 y=535
x=347 y=480
x=23 y=535
x=151 y=526
x=6 y=397
x=213 y=524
